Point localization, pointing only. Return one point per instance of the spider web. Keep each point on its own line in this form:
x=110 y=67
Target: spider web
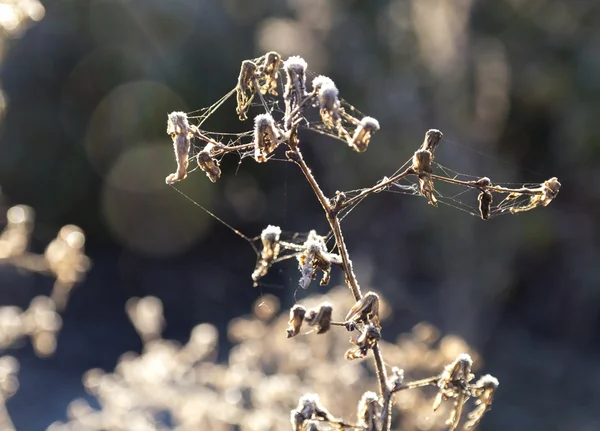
x=458 y=196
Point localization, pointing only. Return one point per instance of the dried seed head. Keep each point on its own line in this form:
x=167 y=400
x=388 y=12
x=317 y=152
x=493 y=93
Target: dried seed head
x=266 y=137
x=367 y=340
x=484 y=390
x=485 y=199
x=362 y=136
x=295 y=86
x=245 y=88
x=297 y=314
x=321 y=317
x=309 y=408
x=271 y=248
x=315 y=257
x=396 y=380
x=369 y=411
x=483 y=182
x=179 y=129
x=177 y=124
x=208 y=164
x=321 y=81
x=422 y=168
x=550 y=190
x=365 y=310
x=432 y=139
x=269 y=72
x=422 y=161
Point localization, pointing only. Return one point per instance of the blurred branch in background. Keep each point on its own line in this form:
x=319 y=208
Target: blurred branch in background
x=64 y=259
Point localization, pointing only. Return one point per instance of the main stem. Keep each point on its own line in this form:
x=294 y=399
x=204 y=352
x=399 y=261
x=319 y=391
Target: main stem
x=332 y=217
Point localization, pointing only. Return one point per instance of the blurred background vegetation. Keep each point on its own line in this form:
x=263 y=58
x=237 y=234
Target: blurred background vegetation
x=513 y=84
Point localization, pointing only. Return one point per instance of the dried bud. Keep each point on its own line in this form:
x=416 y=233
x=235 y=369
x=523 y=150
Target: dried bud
x=453 y=384
x=177 y=124
x=309 y=408
x=297 y=314
x=245 y=88
x=266 y=137
x=295 y=85
x=550 y=190
x=396 y=380
x=369 y=411
x=320 y=318
x=485 y=199
x=483 y=182
x=208 y=164
x=269 y=72
x=422 y=168
x=362 y=136
x=271 y=248
x=484 y=390
x=329 y=105
x=367 y=340
x=365 y=310
x=432 y=139
x=179 y=129
x=321 y=81
x=315 y=257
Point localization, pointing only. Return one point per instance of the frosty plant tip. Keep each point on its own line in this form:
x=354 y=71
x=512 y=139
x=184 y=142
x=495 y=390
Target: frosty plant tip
x=288 y=97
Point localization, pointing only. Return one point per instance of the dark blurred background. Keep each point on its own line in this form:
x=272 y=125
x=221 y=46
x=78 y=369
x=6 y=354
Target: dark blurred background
x=513 y=84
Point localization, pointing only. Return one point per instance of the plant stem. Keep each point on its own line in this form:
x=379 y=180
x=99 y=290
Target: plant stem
x=334 y=222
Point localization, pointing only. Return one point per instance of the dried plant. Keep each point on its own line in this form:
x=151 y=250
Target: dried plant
x=65 y=260
x=274 y=129
x=269 y=381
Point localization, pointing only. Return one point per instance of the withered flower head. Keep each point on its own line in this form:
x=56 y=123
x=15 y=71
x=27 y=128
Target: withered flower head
x=177 y=124
x=484 y=390
x=365 y=310
x=362 y=136
x=269 y=72
x=315 y=257
x=208 y=164
x=271 y=248
x=297 y=314
x=369 y=411
x=309 y=408
x=422 y=167
x=485 y=199
x=367 y=340
x=295 y=86
x=321 y=81
x=431 y=141
x=179 y=129
x=245 y=88
x=266 y=137
x=321 y=317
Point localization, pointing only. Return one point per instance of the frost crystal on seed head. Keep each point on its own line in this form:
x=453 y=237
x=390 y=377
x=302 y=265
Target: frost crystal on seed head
x=296 y=64
x=370 y=124
x=322 y=81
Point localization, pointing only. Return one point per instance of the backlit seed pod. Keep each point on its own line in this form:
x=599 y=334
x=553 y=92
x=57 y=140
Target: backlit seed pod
x=321 y=318
x=483 y=182
x=551 y=189
x=297 y=314
x=431 y=141
x=209 y=165
x=422 y=168
x=295 y=69
x=179 y=129
x=245 y=88
x=269 y=73
x=485 y=199
x=367 y=340
x=362 y=136
x=321 y=81
x=369 y=411
x=484 y=390
x=266 y=137
x=365 y=309
x=329 y=105
x=271 y=248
